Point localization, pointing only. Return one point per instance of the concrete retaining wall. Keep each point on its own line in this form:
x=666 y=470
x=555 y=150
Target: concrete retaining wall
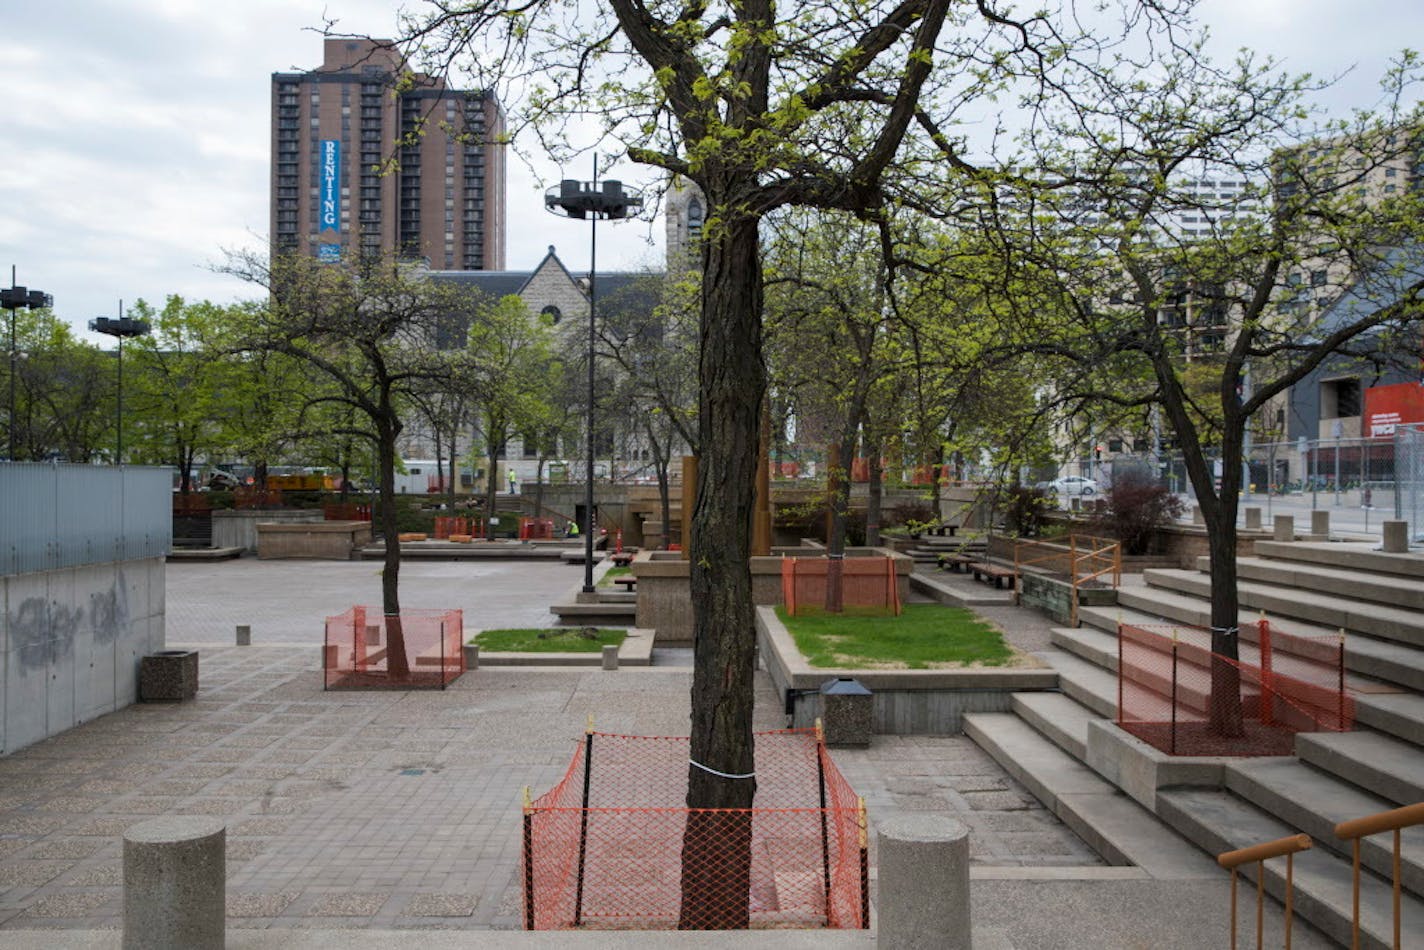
x=665 y=597
x=1054 y=596
x=71 y=641
x=238 y=528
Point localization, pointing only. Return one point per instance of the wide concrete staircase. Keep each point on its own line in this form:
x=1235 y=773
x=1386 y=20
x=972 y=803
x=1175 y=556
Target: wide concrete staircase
x=1151 y=811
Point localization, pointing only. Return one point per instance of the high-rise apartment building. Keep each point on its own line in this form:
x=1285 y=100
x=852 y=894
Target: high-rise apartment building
x=370 y=158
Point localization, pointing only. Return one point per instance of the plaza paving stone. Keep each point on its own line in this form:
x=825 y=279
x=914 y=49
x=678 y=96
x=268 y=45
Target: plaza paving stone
x=393 y=810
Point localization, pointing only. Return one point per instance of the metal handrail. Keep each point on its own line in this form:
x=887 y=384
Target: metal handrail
x=1395 y=820
x=1260 y=853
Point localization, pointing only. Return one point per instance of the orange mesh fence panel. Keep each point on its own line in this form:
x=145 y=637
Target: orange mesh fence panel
x=446 y=525
x=536 y=529
x=612 y=846
x=1177 y=695
x=867 y=583
x=357 y=652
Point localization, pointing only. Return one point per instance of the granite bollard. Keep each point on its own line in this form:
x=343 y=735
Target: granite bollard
x=175 y=884
x=244 y=635
x=1253 y=519
x=1396 y=537
x=924 y=884
x=1320 y=525
x=1285 y=528
x=610 y=656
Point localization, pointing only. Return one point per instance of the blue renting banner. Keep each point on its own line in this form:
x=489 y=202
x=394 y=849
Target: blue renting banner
x=328 y=253
x=330 y=187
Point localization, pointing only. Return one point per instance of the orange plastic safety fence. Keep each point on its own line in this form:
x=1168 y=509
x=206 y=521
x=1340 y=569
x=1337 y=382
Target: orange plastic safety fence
x=358 y=646
x=612 y=846
x=869 y=583
x=1177 y=695
x=446 y=525
x=536 y=529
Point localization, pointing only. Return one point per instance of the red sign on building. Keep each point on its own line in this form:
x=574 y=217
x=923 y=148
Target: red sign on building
x=1390 y=406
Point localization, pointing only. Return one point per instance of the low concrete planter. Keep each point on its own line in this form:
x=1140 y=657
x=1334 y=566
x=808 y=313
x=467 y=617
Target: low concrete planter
x=635 y=650
x=237 y=528
x=905 y=702
x=1140 y=770
x=324 y=540
x=665 y=595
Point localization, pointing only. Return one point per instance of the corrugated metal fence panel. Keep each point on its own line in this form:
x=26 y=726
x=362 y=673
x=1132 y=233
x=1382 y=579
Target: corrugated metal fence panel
x=54 y=516
x=27 y=510
x=1409 y=478
x=148 y=512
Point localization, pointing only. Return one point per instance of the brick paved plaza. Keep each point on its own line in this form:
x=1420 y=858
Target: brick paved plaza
x=391 y=811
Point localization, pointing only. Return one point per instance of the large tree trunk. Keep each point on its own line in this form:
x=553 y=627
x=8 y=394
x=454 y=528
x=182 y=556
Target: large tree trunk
x=716 y=854
x=387 y=430
x=1219 y=513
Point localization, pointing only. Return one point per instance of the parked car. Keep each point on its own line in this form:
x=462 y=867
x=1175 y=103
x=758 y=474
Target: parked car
x=1073 y=485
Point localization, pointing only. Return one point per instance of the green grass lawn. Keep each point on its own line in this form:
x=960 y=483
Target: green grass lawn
x=548 y=640
x=924 y=636
x=607 y=579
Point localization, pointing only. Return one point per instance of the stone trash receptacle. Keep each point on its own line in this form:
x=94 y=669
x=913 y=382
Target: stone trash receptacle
x=168 y=675
x=847 y=712
x=175 y=884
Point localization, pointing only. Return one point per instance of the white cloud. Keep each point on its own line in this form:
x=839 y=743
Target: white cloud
x=136 y=144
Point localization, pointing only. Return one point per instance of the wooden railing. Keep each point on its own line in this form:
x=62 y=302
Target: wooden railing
x=1260 y=853
x=1083 y=558
x=1394 y=820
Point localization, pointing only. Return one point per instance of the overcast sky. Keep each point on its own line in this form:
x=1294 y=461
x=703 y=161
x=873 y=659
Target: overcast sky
x=136 y=132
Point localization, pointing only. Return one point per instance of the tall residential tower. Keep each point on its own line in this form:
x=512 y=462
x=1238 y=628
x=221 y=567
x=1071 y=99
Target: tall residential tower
x=350 y=176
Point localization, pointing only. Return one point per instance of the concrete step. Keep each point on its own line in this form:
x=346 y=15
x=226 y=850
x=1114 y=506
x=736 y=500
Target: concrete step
x=938 y=586
x=1387 y=589
x=1058 y=717
x=1398 y=714
x=1356 y=555
x=1219 y=821
x=1315 y=802
x=617 y=615
x=1396 y=663
x=1398 y=624
x=1096 y=646
x=1384 y=765
x=1115 y=826
x=1085 y=682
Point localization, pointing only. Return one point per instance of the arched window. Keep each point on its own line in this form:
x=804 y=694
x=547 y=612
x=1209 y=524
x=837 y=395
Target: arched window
x=694 y=219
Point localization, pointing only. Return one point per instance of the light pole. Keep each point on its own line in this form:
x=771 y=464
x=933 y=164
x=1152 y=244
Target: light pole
x=586 y=199
x=13 y=299
x=122 y=327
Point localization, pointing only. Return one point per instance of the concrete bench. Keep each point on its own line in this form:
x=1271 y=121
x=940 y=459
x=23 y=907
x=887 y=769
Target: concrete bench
x=992 y=572
x=621 y=558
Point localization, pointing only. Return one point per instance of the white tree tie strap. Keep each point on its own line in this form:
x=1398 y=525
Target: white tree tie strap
x=712 y=771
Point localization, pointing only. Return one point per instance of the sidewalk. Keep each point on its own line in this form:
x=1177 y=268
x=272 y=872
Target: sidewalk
x=376 y=814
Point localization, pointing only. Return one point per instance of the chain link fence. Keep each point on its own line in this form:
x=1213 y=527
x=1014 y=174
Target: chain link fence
x=1409 y=482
